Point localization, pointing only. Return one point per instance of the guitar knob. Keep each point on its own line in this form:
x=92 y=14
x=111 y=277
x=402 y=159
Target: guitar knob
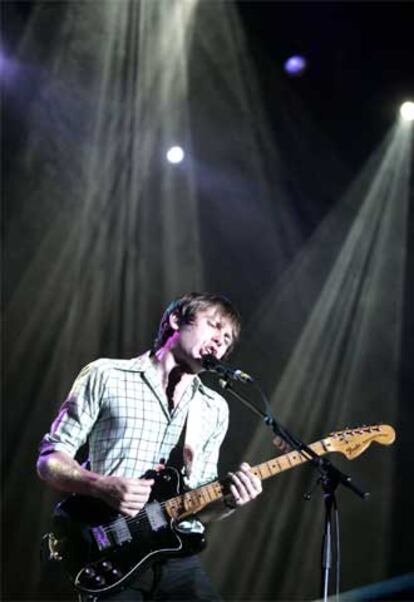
x=89 y=572
x=106 y=566
x=99 y=580
x=116 y=574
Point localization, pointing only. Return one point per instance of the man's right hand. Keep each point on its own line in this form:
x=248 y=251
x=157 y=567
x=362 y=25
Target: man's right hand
x=64 y=473
x=128 y=496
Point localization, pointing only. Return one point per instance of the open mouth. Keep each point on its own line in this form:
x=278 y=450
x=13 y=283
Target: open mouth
x=209 y=351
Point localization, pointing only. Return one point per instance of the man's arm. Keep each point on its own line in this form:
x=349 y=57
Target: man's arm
x=56 y=464
x=62 y=472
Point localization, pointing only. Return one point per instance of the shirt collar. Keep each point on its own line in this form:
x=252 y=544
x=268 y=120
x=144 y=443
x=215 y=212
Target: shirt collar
x=144 y=365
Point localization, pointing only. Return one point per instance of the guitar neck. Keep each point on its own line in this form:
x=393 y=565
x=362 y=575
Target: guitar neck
x=272 y=467
x=196 y=500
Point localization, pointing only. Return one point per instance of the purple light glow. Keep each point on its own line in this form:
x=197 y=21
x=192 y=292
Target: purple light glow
x=2 y=63
x=295 y=65
x=7 y=67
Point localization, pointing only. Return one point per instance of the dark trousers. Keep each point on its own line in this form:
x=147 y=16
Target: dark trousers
x=175 y=579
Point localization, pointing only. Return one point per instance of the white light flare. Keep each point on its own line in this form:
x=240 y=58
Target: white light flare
x=407 y=111
x=175 y=154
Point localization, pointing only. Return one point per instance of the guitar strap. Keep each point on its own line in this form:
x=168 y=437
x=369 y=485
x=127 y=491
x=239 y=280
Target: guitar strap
x=192 y=436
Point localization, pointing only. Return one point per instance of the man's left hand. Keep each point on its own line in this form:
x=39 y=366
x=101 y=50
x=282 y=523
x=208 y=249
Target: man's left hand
x=244 y=485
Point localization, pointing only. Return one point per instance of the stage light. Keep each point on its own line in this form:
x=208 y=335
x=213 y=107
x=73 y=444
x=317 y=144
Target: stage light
x=295 y=65
x=407 y=111
x=175 y=154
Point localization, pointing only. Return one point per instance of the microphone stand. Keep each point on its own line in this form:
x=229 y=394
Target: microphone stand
x=329 y=476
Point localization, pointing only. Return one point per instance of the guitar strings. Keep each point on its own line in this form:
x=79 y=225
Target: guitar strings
x=142 y=515
x=138 y=518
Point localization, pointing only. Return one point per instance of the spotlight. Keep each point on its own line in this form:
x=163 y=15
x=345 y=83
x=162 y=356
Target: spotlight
x=407 y=111
x=295 y=65
x=175 y=154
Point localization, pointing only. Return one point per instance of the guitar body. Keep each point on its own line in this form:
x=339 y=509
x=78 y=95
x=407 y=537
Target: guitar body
x=102 y=550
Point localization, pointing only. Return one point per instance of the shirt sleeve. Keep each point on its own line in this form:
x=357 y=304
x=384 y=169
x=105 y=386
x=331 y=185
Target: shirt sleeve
x=78 y=413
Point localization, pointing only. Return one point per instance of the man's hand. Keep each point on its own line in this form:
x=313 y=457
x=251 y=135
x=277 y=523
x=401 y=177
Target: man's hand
x=244 y=486
x=63 y=472
x=128 y=496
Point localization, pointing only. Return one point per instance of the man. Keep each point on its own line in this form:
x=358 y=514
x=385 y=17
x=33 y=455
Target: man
x=142 y=414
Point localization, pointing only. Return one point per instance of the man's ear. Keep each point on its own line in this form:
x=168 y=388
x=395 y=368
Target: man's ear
x=173 y=321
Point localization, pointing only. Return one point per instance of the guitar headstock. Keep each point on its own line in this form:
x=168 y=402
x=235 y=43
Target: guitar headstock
x=352 y=442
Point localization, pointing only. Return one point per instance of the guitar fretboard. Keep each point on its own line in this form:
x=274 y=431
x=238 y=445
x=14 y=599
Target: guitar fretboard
x=194 y=501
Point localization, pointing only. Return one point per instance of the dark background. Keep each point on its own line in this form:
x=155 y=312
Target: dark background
x=360 y=63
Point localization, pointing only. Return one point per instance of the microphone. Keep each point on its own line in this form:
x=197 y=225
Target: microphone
x=211 y=363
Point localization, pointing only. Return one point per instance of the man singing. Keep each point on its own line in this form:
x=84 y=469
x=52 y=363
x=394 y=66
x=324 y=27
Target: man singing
x=143 y=414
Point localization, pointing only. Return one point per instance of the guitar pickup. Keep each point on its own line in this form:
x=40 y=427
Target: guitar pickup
x=156 y=516
x=120 y=531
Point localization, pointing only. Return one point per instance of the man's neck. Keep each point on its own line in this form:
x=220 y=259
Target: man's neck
x=170 y=370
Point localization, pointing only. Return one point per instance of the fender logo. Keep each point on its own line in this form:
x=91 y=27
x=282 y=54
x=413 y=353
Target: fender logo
x=351 y=448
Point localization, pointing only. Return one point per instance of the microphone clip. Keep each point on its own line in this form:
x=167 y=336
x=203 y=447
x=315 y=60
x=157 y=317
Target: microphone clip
x=212 y=364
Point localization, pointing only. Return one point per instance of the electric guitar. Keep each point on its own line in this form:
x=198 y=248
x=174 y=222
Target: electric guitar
x=102 y=550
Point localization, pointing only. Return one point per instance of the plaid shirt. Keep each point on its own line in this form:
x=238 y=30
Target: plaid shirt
x=120 y=408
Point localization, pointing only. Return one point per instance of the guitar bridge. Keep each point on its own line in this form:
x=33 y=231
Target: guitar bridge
x=116 y=534
x=101 y=538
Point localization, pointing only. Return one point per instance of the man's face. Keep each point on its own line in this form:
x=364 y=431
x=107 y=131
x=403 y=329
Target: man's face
x=210 y=333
